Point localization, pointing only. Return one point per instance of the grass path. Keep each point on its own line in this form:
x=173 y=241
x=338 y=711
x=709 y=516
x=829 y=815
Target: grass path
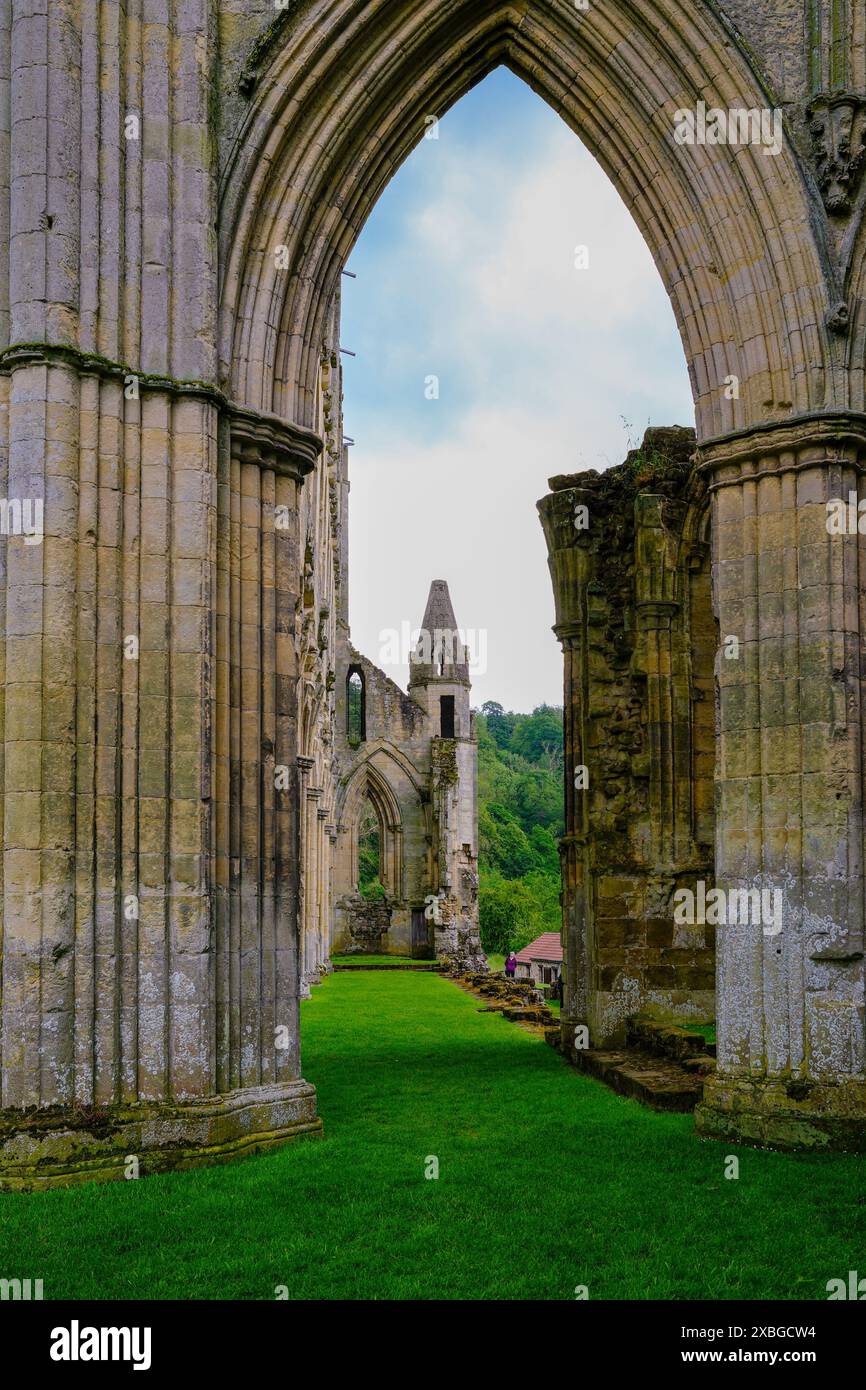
x=547 y=1181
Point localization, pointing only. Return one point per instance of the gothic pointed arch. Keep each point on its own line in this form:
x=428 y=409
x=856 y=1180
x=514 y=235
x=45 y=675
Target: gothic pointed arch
x=339 y=92
x=368 y=784
x=379 y=750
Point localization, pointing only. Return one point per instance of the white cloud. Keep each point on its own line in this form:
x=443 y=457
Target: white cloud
x=509 y=250
x=538 y=363
x=458 y=510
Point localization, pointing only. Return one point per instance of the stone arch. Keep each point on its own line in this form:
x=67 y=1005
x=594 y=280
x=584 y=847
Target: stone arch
x=368 y=783
x=854 y=295
x=338 y=91
x=371 y=750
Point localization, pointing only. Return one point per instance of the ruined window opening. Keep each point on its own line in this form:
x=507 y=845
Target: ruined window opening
x=356 y=707
x=370 y=883
x=446 y=716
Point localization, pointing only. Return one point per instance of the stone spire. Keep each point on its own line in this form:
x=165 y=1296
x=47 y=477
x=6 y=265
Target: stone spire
x=439 y=653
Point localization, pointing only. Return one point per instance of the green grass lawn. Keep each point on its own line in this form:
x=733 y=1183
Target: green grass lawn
x=707 y=1030
x=547 y=1180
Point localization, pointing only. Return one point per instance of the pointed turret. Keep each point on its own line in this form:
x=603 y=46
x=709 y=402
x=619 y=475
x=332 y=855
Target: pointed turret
x=439 y=652
x=439 y=682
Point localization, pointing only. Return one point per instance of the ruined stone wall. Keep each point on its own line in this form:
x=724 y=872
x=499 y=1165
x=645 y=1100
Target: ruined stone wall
x=454 y=780
x=364 y=926
x=424 y=790
x=630 y=564
x=393 y=763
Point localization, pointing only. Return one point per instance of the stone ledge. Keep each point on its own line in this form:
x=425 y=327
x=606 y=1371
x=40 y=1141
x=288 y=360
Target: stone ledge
x=94 y=364
x=57 y=1148
x=788 y=445
x=793 y=1116
x=654 y=1081
x=257 y=436
x=271 y=442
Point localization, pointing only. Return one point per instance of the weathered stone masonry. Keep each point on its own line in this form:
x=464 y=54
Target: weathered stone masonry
x=630 y=565
x=634 y=619
x=181 y=182
x=421 y=778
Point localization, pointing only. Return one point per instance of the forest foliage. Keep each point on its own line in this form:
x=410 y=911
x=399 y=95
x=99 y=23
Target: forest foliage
x=520 y=818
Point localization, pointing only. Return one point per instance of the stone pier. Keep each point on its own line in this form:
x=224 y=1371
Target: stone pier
x=790 y=770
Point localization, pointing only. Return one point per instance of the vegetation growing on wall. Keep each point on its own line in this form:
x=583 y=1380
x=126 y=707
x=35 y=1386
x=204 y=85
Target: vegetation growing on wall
x=520 y=817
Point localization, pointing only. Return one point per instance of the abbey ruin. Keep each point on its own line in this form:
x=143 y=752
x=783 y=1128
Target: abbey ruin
x=413 y=756
x=181 y=184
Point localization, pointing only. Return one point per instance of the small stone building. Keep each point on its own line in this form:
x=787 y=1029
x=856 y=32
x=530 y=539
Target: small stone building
x=411 y=758
x=541 y=960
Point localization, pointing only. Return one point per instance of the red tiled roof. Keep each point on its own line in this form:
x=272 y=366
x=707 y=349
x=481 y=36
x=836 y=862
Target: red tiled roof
x=545 y=947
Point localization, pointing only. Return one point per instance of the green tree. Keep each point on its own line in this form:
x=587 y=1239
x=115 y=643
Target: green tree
x=538 y=737
x=520 y=817
x=505 y=915
x=500 y=724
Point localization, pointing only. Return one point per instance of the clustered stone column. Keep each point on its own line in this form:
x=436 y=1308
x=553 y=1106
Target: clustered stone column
x=256 y=726
x=305 y=871
x=150 y=969
x=310 y=860
x=107 y=756
x=315 y=853
x=148 y=953
x=791 y=585
x=570 y=568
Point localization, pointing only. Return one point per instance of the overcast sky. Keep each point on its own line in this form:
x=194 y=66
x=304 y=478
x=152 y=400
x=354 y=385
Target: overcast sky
x=466 y=272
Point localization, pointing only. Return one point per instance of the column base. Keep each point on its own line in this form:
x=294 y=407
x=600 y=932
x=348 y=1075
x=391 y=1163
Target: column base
x=57 y=1148
x=568 y=1025
x=799 y=1116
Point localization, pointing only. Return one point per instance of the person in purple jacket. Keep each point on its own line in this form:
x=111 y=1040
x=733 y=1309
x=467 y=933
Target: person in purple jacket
x=511 y=965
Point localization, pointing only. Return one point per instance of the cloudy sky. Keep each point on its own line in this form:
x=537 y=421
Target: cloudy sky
x=466 y=273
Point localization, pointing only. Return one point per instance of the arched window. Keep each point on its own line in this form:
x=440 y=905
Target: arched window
x=370 y=883
x=356 y=707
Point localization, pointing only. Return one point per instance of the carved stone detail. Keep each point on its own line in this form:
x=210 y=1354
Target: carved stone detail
x=837 y=125
x=289 y=449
